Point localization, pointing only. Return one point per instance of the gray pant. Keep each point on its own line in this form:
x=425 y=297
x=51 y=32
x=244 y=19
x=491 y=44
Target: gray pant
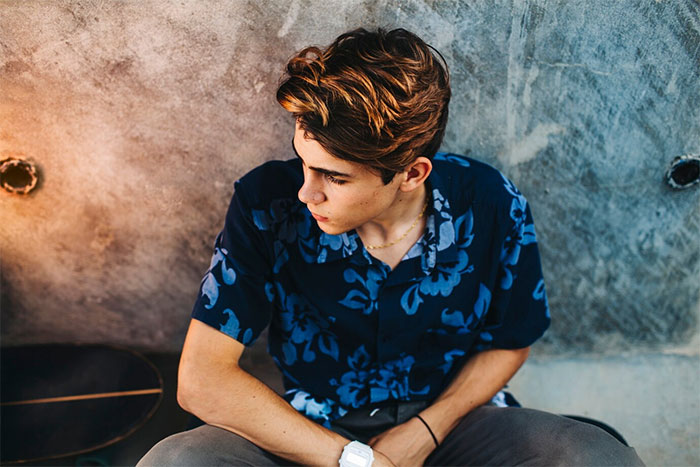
x=486 y=436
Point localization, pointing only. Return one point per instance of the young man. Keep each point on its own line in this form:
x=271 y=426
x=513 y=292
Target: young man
x=402 y=288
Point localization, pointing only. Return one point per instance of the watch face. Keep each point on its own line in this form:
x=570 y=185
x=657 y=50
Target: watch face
x=355 y=459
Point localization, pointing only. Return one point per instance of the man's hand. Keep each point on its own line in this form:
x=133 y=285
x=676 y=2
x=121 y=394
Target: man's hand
x=380 y=460
x=408 y=444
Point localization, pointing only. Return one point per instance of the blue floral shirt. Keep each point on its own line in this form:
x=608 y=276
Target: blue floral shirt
x=346 y=330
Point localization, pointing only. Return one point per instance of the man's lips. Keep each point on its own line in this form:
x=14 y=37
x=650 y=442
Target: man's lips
x=319 y=218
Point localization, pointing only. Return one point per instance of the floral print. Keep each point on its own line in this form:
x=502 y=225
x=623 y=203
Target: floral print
x=344 y=328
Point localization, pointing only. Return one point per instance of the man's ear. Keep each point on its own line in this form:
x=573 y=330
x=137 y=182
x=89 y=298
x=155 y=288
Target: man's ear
x=416 y=173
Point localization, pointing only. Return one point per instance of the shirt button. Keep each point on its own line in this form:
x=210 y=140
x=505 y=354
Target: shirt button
x=386 y=338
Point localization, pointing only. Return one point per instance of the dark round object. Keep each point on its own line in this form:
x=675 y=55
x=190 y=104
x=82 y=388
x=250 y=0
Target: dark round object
x=63 y=400
x=684 y=171
x=18 y=176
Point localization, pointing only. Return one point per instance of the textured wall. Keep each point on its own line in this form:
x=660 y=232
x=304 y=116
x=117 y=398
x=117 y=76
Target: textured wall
x=141 y=114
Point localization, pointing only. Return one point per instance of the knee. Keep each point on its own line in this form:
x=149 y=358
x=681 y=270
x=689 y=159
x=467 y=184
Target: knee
x=205 y=445
x=581 y=444
x=175 y=450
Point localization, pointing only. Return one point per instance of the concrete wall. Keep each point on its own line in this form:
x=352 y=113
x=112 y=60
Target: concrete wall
x=140 y=115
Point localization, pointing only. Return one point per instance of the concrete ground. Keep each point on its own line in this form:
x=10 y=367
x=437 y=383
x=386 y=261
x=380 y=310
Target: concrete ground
x=652 y=400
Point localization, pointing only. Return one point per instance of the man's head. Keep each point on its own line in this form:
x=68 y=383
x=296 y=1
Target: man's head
x=375 y=98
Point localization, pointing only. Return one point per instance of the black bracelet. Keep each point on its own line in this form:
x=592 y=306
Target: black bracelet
x=429 y=430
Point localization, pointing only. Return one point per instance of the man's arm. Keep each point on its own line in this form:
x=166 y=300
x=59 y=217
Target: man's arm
x=481 y=377
x=213 y=387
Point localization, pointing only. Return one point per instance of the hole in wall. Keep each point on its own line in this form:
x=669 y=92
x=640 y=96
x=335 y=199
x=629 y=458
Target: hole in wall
x=18 y=176
x=684 y=171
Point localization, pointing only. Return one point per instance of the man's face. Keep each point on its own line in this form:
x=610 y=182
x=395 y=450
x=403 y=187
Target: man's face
x=341 y=195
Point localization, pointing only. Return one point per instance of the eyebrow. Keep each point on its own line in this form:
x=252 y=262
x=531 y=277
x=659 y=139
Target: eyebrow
x=332 y=173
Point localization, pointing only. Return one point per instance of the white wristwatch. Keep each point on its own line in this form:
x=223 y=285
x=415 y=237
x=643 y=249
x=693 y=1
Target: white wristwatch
x=356 y=454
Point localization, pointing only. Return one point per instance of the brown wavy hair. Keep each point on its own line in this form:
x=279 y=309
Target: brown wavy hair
x=376 y=98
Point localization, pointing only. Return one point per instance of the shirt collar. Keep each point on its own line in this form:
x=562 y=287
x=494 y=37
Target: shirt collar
x=440 y=241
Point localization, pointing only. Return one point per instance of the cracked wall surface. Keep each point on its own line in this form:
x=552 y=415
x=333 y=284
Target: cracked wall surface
x=140 y=115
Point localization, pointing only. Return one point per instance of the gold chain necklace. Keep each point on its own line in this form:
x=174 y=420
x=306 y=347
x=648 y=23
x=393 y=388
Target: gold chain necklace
x=415 y=222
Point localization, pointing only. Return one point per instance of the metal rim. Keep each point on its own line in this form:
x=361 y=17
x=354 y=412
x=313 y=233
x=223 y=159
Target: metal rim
x=680 y=180
x=7 y=166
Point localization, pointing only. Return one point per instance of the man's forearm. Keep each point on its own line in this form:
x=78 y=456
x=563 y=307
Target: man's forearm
x=240 y=403
x=481 y=377
x=214 y=388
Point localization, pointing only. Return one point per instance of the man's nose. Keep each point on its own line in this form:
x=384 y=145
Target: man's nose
x=309 y=193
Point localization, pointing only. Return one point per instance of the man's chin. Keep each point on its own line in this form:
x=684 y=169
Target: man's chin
x=330 y=229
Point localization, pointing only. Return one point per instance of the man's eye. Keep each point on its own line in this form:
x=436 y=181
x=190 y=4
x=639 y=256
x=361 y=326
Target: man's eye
x=332 y=179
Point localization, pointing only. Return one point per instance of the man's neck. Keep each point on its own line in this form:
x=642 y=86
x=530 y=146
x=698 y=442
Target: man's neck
x=401 y=225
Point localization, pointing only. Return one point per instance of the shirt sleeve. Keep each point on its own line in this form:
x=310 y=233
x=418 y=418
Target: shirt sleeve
x=232 y=293
x=518 y=314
